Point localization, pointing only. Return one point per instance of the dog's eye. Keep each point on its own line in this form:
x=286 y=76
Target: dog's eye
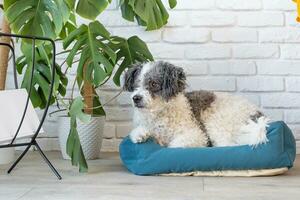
x=154 y=84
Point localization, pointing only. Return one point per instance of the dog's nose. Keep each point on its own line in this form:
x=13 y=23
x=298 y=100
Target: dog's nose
x=137 y=98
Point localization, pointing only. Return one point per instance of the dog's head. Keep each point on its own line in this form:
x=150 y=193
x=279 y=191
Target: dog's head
x=154 y=82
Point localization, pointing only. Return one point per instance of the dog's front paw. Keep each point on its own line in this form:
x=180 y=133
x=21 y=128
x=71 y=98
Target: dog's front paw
x=175 y=144
x=138 y=135
x=137 y=139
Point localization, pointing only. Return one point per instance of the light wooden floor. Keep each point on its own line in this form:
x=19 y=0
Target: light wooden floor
x=108 y=179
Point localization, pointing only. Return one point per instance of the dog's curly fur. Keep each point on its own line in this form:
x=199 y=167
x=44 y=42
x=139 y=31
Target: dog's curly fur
x=163 y=110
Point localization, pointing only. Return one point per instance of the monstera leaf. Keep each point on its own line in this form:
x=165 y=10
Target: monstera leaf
x=97 y=59
x=90 y=9
x=42 y=75
x=149 y=13
x=74 y=149
x=69 y=26
x=172 y=3
x=38 y=17
x=128 y=52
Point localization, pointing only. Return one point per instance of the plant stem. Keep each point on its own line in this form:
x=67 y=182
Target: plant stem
x=56 y=111
x=73 y=87
x=4 y=53
x=88 y=91
x=104 y=104
x=62 y=52
x=66 y=71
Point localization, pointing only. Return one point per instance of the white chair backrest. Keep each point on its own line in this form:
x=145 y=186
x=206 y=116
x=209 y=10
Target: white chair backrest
x=12 y=105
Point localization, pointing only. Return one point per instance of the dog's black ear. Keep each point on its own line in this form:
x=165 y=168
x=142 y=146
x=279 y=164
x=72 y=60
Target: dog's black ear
x=131 y=75
x=174 y=81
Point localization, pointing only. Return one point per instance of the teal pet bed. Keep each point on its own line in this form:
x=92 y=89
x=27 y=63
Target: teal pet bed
x=274 y=157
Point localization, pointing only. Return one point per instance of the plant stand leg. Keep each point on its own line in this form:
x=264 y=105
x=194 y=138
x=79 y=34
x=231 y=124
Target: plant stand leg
x=19 y=158
x=47 y=160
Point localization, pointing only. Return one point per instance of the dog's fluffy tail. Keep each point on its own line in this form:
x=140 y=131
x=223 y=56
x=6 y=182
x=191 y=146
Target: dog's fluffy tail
x=254 y=133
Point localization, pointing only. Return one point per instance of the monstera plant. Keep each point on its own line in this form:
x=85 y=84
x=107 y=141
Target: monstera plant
x=102 y=56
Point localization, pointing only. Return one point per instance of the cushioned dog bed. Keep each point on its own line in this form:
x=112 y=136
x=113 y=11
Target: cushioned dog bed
x=272 y=158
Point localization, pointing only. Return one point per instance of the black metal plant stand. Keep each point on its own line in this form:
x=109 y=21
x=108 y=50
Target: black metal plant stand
x=33 y=138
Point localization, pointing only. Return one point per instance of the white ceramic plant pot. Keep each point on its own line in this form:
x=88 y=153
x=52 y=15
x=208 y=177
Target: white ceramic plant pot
x=7 y=155
x=90 y=135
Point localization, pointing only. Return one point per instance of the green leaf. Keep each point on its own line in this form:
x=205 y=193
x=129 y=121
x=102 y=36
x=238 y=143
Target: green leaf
x=63 y=78
x=172 y=3
x=43 y=84
x=42 y=75
x=69 y=26
x=73 y=148
x=20 y=62
x=74 y=35
x=37 y=17
x=90 y=9
x=76 y=109
x=8 y=3
x=34 y=95
x=71 y=3
x=98 y=109
x=127 y=11
x=149 y=13
x=74 y=50
x=128 y=52
x=92 y=40
x=62 y=90
x=83 y=59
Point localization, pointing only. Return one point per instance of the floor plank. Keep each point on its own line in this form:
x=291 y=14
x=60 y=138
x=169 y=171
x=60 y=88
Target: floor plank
x=108 y=179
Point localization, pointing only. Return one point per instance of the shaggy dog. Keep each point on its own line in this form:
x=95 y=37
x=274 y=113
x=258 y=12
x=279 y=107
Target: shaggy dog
x=174 y=118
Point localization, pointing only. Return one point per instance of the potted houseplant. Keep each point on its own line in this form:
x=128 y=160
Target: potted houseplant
x=92 y=74
x=102 y=56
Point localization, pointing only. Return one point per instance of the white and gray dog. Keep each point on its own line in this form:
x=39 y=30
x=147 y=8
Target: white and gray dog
x=174 y=118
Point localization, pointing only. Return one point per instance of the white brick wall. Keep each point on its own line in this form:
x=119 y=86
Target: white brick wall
x=255 y=51
x=239 y=5
x=260 y=19
x=209 y=51
x=250 y=48
x=242 y=35
x=191 y=35
x=260 y=84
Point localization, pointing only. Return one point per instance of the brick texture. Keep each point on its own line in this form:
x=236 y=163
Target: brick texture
x=249 y=48
x=239 y=5
x=260 y=19
x=242 y=35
